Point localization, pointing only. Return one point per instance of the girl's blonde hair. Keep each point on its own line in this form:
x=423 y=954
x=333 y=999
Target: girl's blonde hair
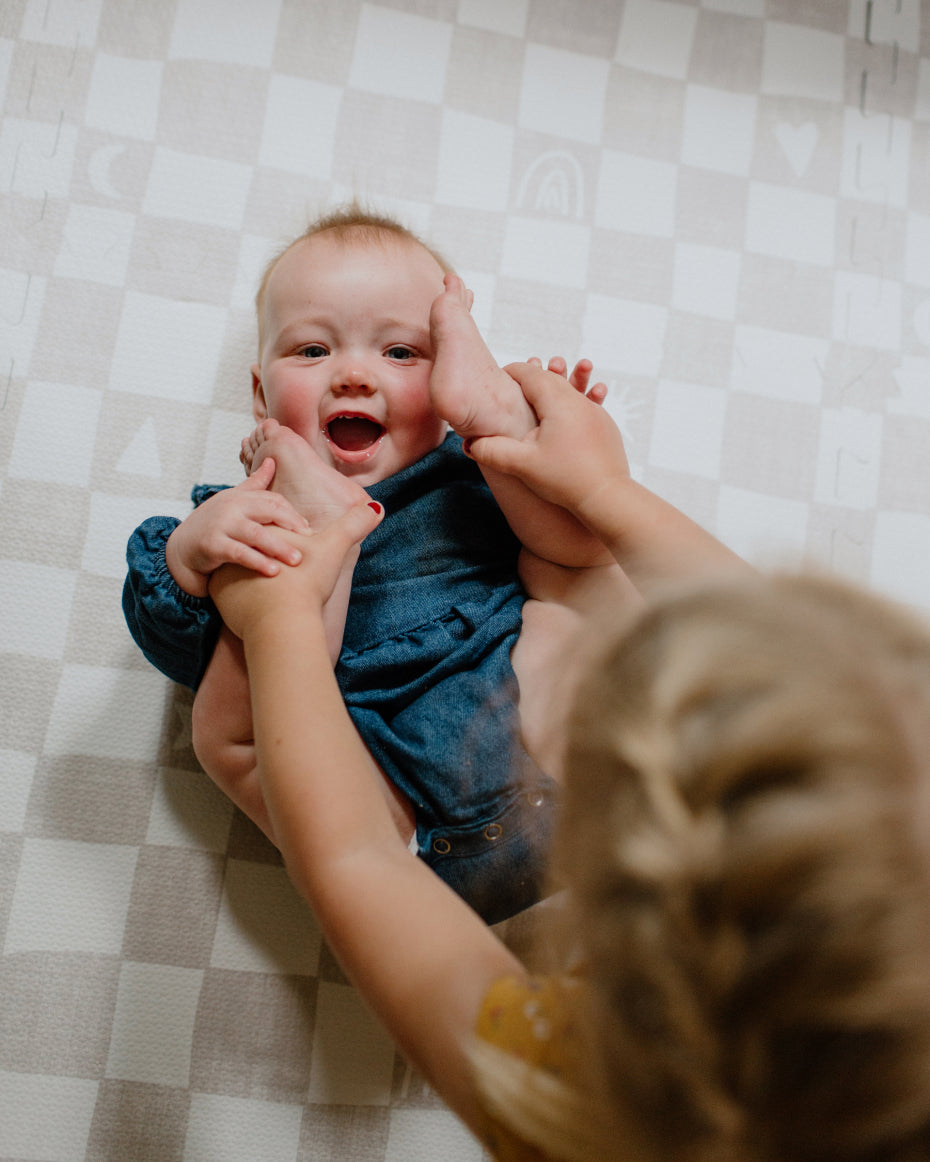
x=746 y=840
x=351 y=222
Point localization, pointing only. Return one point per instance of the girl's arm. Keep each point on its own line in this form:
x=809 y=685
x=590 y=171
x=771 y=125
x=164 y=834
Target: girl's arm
x=421 y=958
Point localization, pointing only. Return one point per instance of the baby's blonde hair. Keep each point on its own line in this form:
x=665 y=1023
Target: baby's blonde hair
x=746 y=840
x=349 y=223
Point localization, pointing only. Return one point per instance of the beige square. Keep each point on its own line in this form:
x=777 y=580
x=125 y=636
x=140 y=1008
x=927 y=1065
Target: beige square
x=172 y=910
x=727 y=52
x=253 y=1035
x=483 y=74
x=44 y=1000
x=95 y=800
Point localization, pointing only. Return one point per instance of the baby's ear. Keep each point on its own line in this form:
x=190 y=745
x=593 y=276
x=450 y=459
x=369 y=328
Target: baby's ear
x=259 y=405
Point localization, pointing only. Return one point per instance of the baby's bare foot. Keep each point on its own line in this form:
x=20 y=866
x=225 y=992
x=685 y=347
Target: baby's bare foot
x=471 y=393
x=317 y=491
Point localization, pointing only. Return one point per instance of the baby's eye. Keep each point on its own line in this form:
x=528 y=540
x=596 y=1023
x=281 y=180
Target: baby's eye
x=399 y=352
x=313 y=351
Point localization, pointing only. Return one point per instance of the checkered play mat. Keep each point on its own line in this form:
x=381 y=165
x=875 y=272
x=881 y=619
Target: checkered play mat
x=725 y=204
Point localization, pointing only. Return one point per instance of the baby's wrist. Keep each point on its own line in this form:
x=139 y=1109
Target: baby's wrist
x=191 y=581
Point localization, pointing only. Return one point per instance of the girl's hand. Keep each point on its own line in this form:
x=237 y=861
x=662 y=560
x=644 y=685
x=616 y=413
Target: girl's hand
x=245 y=525
x=576 y=450
x=244 y=598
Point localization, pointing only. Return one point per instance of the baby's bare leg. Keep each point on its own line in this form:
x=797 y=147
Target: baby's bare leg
x=478 y=398
x=225 y=748
x=221 y=723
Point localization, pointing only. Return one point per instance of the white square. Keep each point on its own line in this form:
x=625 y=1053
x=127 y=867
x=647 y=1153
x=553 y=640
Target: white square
x=353 y=1057
x=913 y=399
x=425 y=1135
x=35 y=608
x=894 y=22
x=917 y=250
x=22 y=296
x=719 y=130
x=56 y=433
x=687 y=430
x=636 y=194
x=241 y=1130
x=866 y=310
x=300 y=126
x=779 y=365
x=624 y=335
x=509 y=18
x=767 y=531
x=45 y=1118
x=901 y=557
x=110 y=713
x=61 y=22
x=876 y=158
x=197 y=189
x=237 y=32
x=96 y=245
x=168 y=349
x=849 y=458
x=802 y=62
x=70 y=897
x=189 y=810
x=123 y=96
x=791 y=224
x=16 y=771
x=112 y=519
x=153 y=1024
x=656 y=37
x=263 y=924
x=400 y=55
x=555 y=253
x=36 y=157
x=475 y=157
x=705 y=281
x=562 y=94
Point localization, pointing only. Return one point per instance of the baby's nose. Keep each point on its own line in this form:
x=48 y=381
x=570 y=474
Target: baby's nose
x=353 y=380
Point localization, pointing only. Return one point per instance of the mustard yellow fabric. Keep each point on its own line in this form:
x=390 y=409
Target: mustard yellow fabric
x=532 y=1020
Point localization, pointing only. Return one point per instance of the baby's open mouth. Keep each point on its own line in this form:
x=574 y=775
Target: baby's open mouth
x=354 y=433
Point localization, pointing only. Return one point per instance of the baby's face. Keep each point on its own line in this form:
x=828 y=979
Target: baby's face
x=346 y=354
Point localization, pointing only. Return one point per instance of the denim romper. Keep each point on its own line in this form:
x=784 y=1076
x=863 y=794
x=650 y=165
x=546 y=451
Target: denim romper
x=424 y=671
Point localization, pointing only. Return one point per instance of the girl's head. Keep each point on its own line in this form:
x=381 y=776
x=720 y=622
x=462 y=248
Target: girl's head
x=746 y=840
x=345 y=352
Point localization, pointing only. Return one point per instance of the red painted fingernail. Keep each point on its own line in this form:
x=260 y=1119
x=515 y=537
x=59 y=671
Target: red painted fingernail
x=374 y=504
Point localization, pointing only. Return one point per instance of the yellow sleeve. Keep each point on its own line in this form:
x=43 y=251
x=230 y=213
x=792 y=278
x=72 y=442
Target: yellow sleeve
x=533 y=1021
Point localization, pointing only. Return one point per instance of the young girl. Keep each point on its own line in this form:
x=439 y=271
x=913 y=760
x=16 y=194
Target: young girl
x=745 y=844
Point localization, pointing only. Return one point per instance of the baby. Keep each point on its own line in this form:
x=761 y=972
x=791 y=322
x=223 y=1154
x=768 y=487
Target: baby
x=367 y=354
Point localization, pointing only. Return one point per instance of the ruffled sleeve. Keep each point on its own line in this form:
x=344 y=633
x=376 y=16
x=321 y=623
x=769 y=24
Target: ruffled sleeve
x=175 y=631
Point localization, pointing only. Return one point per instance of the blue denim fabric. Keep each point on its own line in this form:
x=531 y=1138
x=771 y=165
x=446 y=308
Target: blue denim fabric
x=424 y=670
